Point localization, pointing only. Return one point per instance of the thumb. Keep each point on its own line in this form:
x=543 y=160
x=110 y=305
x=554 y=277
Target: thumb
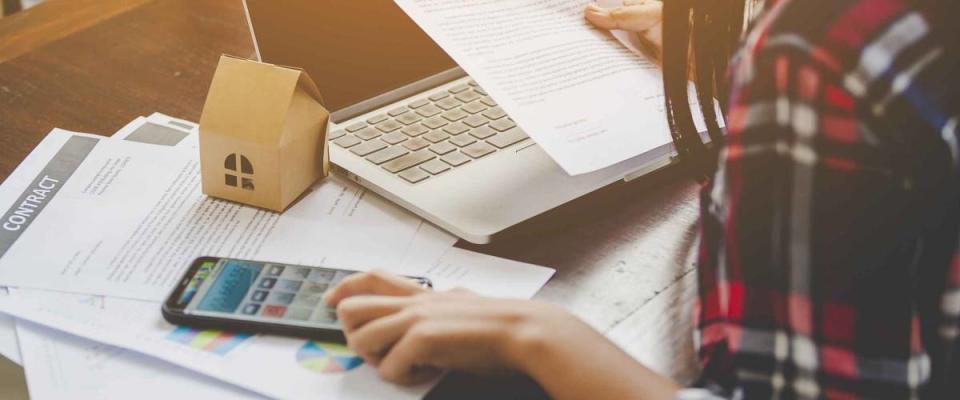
x=633 y=16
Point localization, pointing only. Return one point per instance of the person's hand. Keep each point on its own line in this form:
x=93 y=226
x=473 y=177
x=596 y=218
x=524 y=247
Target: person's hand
x=412 y=334
x=644 y=18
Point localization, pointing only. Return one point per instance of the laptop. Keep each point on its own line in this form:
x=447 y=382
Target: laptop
x=410 y=125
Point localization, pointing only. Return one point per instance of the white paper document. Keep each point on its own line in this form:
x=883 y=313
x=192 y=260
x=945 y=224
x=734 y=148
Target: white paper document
x=120 y=218
x=63 y=366
x=270 y=365
x=586 y=99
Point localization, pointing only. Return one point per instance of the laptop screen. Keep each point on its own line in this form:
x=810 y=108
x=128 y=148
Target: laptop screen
x=353 y=50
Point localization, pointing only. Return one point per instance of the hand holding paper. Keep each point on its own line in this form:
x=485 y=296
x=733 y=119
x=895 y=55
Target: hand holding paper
x=638 y=24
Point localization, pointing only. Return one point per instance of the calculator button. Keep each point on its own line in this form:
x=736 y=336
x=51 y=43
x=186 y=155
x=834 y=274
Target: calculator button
x=309 y=300
x=319 y=275
x=298 y=314
x=259 y=295
x=288 y=285
x=267 y=283
x=324 y=314
x=251 y=309
x=275 y=270
x=273 y=311
x=339 y=277
x=314 y=288
x=297 y=273
x=281 y=298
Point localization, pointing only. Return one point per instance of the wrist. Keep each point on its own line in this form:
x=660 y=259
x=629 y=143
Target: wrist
x=530 y=340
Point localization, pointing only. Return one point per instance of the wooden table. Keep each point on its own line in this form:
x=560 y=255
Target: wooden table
x=623 y=255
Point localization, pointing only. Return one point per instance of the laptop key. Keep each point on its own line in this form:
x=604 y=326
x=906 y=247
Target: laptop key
x=456 y=159
x=397 y=111
x=448 y=103
x=376 y=119
x=347 y=141
x=475 y=120
x=495 y=113
x=416 y=144
x=474 y=107
x=415 y=130
x=478 y=149
x=387 y=154
x=459 y=88
x=455 y=115
x=456 y=128
x=508 y=138
x=435 y=167
x=408 y=118
x=442 y=148
x=472 y=83
x=435 y=122
x=480 y=91
x=367 y=148
x=389 y=126
x=356 y=127
x=409 y=160
x=336 y=134
x=394 y=138
x=467 y=97
x=429 y=110
x=436 y=136
x=368 y=133
x=419 y=103
x=438 y=95
x=414 y=175
x=463 y=140
x=482 y=132
x=488 y=101
x=502 y=124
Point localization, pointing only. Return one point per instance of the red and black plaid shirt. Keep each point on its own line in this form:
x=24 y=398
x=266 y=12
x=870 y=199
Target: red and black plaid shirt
x=829 y=263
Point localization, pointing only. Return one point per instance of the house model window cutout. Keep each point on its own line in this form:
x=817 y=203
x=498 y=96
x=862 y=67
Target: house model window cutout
x=244 y=174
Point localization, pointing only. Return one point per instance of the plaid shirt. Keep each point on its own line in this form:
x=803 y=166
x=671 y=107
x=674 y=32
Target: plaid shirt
x=829 y=263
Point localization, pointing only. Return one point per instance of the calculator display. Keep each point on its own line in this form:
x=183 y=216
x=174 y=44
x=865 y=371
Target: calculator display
x=259 y=291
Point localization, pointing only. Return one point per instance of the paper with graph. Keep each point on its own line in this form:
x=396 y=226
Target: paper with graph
x=298 y=368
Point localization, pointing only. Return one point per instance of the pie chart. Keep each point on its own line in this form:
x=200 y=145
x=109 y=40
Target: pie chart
x=327 y=358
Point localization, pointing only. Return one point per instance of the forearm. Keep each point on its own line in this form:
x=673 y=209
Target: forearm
x=585 y=364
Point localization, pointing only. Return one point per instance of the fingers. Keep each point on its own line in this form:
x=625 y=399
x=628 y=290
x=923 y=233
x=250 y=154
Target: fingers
x=374 y=282
x=374 y=339
x=636 y=16
x=355 y=312
x=405 y=363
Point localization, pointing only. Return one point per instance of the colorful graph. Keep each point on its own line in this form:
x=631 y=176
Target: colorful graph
x=216 y=342
x=327 y=358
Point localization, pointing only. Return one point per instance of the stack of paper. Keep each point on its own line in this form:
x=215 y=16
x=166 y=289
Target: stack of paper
x=96 y=230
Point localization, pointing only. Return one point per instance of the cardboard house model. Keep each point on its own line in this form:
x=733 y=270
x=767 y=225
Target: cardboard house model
x=262 y=134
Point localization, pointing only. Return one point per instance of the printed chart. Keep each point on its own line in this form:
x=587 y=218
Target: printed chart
x=327 y=358
x=216 y=342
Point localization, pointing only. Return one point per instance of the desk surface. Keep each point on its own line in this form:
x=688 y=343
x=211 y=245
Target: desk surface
x=623 y=255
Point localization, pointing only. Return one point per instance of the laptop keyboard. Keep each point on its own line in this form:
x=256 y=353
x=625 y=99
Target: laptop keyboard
x=432 y=136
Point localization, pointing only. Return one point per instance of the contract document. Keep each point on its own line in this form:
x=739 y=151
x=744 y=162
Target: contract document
x=586 y=99
x=122 y=218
